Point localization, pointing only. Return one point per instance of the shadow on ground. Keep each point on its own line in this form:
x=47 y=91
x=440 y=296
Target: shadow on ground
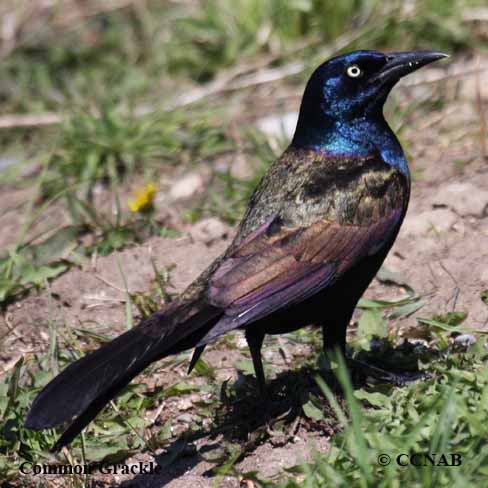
x=247 y=419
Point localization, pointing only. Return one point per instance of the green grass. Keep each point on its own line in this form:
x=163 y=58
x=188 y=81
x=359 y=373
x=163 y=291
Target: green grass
x=194 y=43
x=441 y=415
x=116 y=78
x=445 y=416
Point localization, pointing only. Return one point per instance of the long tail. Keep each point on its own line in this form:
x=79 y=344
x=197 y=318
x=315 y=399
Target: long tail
x=87 y=385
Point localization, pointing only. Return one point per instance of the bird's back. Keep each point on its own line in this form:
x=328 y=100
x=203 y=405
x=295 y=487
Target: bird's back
x=304 y=186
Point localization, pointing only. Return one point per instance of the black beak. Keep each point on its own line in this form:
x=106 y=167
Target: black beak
x=403 y=63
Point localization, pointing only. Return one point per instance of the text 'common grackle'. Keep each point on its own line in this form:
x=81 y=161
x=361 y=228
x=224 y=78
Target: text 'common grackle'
x=315 y=233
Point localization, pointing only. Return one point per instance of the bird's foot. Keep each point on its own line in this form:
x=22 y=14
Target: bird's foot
x=382 y=375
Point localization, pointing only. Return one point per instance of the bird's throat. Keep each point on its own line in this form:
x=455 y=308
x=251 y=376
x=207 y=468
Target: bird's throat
x=361 y=137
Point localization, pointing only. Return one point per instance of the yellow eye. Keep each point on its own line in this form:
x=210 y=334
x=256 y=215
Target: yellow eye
x=354 y=71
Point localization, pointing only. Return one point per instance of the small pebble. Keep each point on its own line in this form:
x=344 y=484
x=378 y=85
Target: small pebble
x=465 y=340
x=464 y=198
x=209 y=230
x=187 y=186
x=185 y=418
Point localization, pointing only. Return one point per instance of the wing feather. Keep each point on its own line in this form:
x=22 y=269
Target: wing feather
x=274 y=270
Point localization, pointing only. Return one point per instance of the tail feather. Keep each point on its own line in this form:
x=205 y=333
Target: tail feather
x=195 y=357
x=89 y=413
x=87 y=385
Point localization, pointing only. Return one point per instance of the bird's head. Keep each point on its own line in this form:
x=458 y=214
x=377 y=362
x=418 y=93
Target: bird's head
x=356 y=84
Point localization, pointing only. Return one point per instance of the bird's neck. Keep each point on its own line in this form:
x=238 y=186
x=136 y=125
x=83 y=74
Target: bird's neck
x=358 y=137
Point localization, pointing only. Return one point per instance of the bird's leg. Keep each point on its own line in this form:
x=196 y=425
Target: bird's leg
x=398 y=378
x=255 y=341
x=334 y=341
x=334 y=338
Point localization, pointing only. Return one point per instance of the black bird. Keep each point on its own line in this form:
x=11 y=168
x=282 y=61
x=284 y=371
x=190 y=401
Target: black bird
x=316 y=231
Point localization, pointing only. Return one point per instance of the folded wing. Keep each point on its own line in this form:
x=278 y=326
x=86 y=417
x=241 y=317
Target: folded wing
x=279 y=266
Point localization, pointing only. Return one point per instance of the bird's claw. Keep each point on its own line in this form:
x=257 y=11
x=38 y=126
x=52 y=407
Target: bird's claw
x=382 y=375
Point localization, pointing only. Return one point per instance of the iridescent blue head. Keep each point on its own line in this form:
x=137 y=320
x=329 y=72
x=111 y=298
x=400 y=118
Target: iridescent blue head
x=342 y=107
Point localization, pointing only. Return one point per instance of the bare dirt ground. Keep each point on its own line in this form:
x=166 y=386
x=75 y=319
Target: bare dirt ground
x=441 y=253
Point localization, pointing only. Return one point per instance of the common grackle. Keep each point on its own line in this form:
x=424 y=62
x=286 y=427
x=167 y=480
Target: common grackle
x=316 y=231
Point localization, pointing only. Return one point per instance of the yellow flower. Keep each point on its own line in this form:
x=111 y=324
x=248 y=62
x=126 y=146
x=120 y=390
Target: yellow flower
x=143 y=198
